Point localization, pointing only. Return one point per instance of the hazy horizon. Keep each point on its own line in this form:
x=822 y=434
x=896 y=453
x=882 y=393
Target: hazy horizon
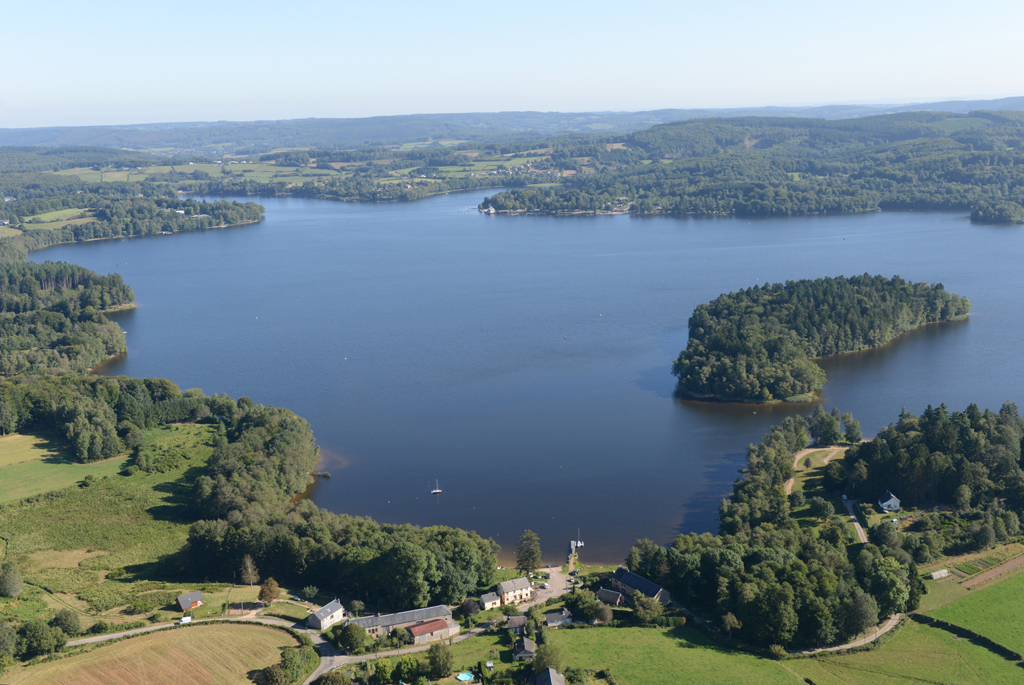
x=121 y=63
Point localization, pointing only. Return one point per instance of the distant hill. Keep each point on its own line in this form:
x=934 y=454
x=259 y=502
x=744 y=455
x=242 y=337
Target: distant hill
x=262 y=136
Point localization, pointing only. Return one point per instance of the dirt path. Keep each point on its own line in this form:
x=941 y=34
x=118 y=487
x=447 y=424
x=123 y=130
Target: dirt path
x=799 y=456
x=1008 y=567
x=885 y=628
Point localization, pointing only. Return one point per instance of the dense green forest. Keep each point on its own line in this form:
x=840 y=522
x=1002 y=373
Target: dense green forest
x=757 y=345
x=789 y=585
x=760 y=166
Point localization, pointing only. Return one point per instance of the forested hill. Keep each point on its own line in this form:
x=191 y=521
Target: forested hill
x=262 y=136
x=782 y=166
x=773 y=580
x=756 y=345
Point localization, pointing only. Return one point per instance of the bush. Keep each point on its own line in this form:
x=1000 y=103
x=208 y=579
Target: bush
x=777 y=652
x=68 y=621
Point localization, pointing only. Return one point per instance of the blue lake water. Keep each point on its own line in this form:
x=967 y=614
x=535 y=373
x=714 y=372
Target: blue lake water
x=523 y=362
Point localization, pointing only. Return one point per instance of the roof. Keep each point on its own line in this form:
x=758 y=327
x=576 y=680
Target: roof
x=516 y=621
x=513 y=585
x=428 y=627
x=412 y=616
x=524 y=644
x=636 y=582
x=328 y=610
x=489 y=597
x=548 y=676
x=190 y=599
x=610 y=594
x=889 y=496
x=555 y=615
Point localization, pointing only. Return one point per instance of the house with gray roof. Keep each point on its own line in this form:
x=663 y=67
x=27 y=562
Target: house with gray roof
x=514 y=591
x=491 y=600
x=627 y=582
x=517 y=624
x=610 y=597
x=558 y=618
x=326 y=616
x=524 y=649
x=889 y=502
x=548 y=676
x=192 y=600
x=376 y=626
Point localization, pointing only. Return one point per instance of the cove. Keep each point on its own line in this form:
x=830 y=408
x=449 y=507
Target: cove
x=523 y=362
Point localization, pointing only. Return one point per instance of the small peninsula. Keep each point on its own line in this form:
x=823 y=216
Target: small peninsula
x=758 y=345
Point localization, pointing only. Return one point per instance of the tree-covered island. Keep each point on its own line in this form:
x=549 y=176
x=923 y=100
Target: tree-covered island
x=757 y=345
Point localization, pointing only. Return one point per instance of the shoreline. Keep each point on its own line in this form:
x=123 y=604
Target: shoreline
x=815 y=395
x=146 y=235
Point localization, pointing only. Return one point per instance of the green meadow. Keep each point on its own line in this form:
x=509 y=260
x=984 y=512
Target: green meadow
x=997 y=612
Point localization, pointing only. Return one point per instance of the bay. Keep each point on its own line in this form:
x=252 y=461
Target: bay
x=523 y=362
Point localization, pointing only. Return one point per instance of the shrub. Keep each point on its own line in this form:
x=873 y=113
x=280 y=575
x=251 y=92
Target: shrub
x=777 y=652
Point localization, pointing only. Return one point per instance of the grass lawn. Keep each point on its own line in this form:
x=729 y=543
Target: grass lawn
x=222 y=654
x=288 y=610
x=916 y=654
x=941 y=594
x=66 y=541
x=810 y=481
x=997 y=612
x=637 y=656
x=7 y=232
x=31 y=465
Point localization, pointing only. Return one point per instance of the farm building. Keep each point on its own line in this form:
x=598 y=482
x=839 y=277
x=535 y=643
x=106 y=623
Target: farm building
x=490 y=601
x=513 y=591
x=627 y=582
x=558 y=618
x=192 y=600
x=524 y=649
x=326 y=616
x=610 y=597
x=548 y=676
x=889 y=502
x=941 y=573
x=435 y=629
x=376 y=626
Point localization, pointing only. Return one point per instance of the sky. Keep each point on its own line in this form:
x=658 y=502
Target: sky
x=118 y=62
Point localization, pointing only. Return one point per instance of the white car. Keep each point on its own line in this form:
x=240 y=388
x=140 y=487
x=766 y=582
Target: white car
x=184 y=620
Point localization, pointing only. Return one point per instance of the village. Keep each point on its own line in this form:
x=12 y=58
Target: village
x=354 y=645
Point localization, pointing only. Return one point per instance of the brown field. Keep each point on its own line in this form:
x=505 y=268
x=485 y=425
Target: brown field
x=219 y=654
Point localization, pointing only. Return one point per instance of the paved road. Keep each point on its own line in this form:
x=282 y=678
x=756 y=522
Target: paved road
x=856 y=524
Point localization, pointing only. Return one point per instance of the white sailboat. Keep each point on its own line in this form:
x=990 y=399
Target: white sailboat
x=437 y=490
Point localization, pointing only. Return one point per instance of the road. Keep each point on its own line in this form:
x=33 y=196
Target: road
x=889 y=625
x=856 y=524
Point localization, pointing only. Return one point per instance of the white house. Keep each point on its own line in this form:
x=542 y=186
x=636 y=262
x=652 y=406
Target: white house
x=326 y=616
x=889 y=502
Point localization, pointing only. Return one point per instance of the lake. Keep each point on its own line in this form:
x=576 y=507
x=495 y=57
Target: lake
x=523 y=362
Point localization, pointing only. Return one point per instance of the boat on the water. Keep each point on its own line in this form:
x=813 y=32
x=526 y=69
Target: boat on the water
x=437 y=490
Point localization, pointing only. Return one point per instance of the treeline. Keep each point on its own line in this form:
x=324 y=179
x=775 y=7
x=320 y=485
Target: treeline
x=769 y=581
x=966 y=462
x=760 y=166
x=757 y=344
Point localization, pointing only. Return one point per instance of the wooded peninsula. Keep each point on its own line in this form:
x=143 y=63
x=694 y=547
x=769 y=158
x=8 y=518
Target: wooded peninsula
x=757 y=345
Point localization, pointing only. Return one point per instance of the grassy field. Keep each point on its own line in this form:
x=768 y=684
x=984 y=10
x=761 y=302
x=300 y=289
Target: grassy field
x=7 y=232
x=916 y=654
x=636 y=656
x=221 y=654
x=66 y=542
x=31 y=465
x=810 y=481
x=997 y=612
